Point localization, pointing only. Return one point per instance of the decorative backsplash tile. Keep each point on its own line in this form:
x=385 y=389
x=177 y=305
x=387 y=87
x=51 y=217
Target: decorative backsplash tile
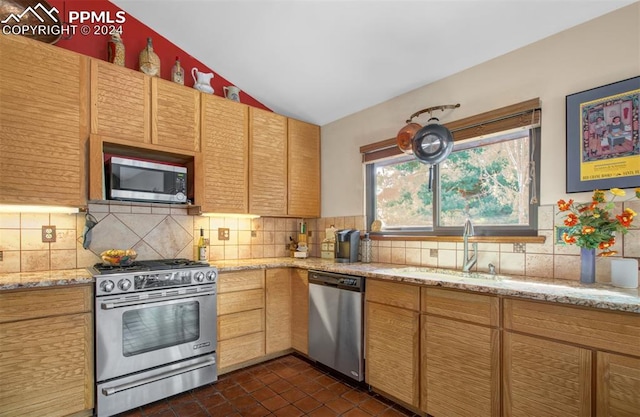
x=163 y=231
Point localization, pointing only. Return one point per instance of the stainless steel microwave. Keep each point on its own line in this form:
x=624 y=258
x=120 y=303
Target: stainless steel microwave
x=134 y=180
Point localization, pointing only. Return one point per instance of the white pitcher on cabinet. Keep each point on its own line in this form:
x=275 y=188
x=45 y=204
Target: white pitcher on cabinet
x=202 y=80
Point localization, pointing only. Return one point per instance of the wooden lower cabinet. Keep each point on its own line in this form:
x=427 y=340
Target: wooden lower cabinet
x=300 y=310
x=46 y=352
x=618 y=385
x=241 y=318
x=391 y=351
x=545 y=378
x=460 y=368
x=278 y=307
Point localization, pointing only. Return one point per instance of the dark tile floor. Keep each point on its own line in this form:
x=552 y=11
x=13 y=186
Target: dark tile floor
x=285 y=387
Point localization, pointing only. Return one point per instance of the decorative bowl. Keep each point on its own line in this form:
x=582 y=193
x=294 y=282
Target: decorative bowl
x=118 y=257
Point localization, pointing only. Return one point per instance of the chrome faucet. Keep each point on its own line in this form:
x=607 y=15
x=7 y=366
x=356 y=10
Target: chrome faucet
x=468 y=263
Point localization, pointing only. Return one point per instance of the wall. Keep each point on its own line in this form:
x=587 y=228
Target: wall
x=134 y=36
x=596 y=53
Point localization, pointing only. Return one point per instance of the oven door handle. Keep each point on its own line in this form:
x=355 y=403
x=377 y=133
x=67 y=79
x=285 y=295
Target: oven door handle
x=119 y=388
x=110 y=306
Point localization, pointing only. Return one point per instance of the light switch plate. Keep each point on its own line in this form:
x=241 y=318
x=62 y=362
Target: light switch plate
x=48 y=234
x=223 y=233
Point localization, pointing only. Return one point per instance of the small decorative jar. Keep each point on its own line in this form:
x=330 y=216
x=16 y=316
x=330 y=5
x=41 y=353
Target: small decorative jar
x=177 y=72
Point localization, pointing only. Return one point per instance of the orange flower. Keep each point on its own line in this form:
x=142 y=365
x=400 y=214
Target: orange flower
x=605 y=245
x=625 y=219
x=587 y=230
x=563 y=205
x=630 y=212
x=608 y=253
x=571 y=220
x=568 y=239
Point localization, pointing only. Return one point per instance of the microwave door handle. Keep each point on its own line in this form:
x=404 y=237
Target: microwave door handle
x=114 y=390
x=111 y=306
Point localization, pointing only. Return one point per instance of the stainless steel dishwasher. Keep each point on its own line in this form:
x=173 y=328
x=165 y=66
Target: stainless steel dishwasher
x=336 y=322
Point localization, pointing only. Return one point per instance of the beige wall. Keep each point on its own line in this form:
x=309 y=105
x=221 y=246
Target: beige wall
x=598 y=52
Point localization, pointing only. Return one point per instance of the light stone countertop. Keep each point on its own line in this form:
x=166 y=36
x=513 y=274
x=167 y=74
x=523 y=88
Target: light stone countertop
x=602 y=296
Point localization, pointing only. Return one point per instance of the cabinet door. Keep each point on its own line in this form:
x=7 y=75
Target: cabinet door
x=278 y=307
x=545 y=378
x=391 y=350
x=618 y=386
x=46 y=366
x=304 y=169
x=223 y=185
x=300 y=310
x=44 y=123
x=267 y=163
x=120 y=102
x=460 y=368
x=175 y=115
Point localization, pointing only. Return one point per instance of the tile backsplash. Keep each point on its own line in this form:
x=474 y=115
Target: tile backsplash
x=163 y=231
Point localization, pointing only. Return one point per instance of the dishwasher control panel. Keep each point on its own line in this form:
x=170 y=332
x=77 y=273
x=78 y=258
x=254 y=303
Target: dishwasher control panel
x=348 y=282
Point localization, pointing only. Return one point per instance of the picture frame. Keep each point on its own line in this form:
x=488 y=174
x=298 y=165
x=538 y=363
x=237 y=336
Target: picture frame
x=603 y=137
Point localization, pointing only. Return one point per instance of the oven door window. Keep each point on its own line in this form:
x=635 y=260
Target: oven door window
x=152 y=328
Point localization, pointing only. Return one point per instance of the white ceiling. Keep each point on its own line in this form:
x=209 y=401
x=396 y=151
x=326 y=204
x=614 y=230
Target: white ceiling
x=321 y=60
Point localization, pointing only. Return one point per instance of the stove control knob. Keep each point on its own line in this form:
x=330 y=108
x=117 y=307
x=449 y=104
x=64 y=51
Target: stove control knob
x=211 y=275
x=124 y=284
x=107 y=286
x=199 y=276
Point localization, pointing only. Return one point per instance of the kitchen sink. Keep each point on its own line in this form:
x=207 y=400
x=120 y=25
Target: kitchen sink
x=437 y=274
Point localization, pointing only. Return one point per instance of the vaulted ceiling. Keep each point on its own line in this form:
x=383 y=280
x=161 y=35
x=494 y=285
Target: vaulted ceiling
x=321 y=60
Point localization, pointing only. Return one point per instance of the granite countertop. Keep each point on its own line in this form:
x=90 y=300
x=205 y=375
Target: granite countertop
x=602 y=296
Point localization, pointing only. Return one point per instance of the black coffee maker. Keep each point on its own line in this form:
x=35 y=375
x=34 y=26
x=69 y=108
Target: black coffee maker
x=347 y=243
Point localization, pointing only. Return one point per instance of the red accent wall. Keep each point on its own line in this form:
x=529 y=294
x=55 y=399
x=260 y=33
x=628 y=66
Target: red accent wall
x=134 y=37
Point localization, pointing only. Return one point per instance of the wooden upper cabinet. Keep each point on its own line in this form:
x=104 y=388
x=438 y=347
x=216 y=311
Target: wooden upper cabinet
x=268 y=163
x=304 y=169
x=175 y=111
x=44 y=118
x=120 y=102
x=223 y=184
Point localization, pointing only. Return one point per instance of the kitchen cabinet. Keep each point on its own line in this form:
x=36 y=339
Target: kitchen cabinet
x=175 y=115
x=460 y=354
x=392 y=340
x=549 y=355
x=300 y=310
x=120 y=102
x=304 y=169
x=241 y=318
x=618 y=385
x=44 y=118
x=278 y=310
x=267 y=163
x=46 y=354
x=222 y=183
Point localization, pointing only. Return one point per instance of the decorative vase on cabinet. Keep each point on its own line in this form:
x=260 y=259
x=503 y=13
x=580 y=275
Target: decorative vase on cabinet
x=149 y=60
x=115 y=49
x=587 y=265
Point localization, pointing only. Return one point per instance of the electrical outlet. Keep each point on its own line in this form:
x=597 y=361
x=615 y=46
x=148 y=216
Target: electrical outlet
x=254 y=233
x=223 y=233
x=1 y=256
x=48 y=234
x=433 y=253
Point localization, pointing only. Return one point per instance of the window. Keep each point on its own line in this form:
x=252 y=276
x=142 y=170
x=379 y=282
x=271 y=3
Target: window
x=491 y=179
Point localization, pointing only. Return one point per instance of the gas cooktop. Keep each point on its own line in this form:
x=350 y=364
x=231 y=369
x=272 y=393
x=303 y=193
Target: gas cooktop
x=150 y=265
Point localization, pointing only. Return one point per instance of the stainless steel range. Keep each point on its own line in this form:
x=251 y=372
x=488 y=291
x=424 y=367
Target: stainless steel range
x=155 y=331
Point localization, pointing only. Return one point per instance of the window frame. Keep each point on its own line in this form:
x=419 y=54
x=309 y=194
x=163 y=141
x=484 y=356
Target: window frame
x=436 y=230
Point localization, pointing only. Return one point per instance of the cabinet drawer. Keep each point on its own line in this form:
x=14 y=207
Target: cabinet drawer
x=476 y=308
x=393 y=294
x=606 y=330
x=235 y=302
x=240 y=349
x=240 y=281
x=29 y=304
x=240 y=324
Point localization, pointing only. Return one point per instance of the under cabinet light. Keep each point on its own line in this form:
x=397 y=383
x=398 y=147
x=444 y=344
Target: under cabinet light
x=232 y=215
x=16 y=208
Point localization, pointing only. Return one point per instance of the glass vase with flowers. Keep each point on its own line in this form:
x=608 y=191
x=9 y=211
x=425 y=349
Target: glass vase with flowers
x=594 y=226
